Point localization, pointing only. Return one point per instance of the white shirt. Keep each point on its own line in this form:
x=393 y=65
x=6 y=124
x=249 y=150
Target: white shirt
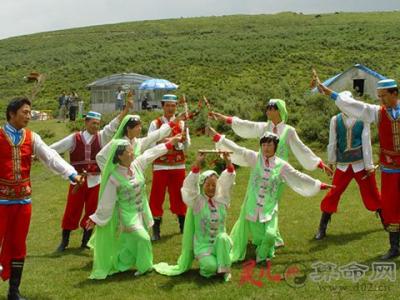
x=366 y=146
x=249 y=129
x=180 y=146
x=120 y=95
x=299 y=182
x=68 y=143
x=362 y=111
x=144 y=143
x=51 y=158
x=108 y=199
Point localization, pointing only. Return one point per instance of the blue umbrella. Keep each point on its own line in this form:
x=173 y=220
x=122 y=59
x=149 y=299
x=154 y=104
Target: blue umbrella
x=157 y=84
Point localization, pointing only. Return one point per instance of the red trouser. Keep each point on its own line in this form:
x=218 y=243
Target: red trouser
x=368 y=189
x=14 y=227
x=84 y=197
x=390 y=187
x=173 y=180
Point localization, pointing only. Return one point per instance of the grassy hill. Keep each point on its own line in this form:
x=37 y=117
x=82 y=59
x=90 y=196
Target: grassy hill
x=237 y=61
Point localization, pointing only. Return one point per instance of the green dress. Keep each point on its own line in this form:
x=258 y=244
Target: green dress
x=259 y=212
x=123 y=242
x=204 y=236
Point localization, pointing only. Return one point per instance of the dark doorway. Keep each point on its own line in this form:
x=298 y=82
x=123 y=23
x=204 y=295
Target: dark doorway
x=358 y=86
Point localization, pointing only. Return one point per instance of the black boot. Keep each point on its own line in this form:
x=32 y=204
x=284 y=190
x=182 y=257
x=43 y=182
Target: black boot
x=156 y=229
x=394 y=238
x=15 y=280
x=323 y=224
x=64 y=241
x=85 y=238
x=181 y=220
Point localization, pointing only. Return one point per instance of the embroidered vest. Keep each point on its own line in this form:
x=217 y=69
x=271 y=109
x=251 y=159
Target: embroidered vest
x=15 y=162
x=264 y=190
x=83 y=155
x=349 y=141
x=283 y=150
x=173 y=156
x=389 y=139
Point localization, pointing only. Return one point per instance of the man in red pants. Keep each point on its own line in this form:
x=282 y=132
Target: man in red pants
x=17 y=145
x=350 y=150
x=387 y=117
x=83 y=147
x=169 y=170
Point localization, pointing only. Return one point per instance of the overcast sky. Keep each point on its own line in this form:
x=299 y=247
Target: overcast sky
x=18 y=17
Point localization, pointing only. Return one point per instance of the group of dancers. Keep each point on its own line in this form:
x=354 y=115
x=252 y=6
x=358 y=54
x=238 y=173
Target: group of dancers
x=107 y=196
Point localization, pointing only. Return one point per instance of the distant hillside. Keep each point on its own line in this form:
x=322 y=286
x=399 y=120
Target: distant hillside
x=237 y=61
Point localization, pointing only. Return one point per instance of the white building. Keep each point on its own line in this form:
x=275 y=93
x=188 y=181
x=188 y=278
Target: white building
x=104 y=91
x=358 y=79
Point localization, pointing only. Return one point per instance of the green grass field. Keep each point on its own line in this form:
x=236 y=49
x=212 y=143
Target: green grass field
x=354 y=235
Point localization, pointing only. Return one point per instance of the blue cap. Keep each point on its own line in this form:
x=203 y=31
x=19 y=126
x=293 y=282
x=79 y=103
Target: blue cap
x=169 y=98
x=386 y=84
x=93 y=115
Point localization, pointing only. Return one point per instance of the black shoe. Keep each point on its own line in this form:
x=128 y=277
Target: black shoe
x=323 y=225
x=156 y=229
x=181 y=220
x=15 y=280
x=64 y=240
x=85 y=238
x=394 y=239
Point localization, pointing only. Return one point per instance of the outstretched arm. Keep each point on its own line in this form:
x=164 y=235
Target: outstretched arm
x=109 y=130
x=302 y=183
x=241 y=156
x=225 y=182
x=155 y=136
x=64 y=145
x=306 y=157
x=101 y=157
x=52 y=159
x=243 y=128
x=147 y=157
x=190 y=189
x=346 y=103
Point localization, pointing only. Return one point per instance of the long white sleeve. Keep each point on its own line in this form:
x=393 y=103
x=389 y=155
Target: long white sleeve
x=148 y=156
x=108 y=131
x=106 y=204
x=51 y=158
x=153 y=137
x=152 y=127
x=190 y=189
x=102 y=156
x=300 y=182
x=106 y=134
x=332 y=146
x=144 y=144
x=304 y=155
x=359 y=110
x=248 y=129
x=241 y=156
x=64 y=145
x=367 y=147
x=224 y=187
